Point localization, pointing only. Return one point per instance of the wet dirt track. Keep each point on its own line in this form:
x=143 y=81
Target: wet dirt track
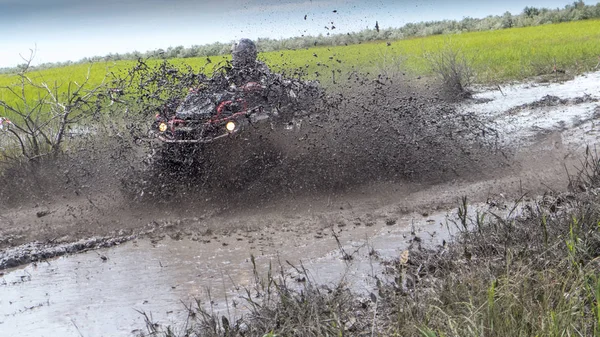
x=98 y=292
x=181 y=254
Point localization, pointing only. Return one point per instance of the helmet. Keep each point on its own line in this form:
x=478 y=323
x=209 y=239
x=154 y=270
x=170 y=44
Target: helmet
x=243 y=53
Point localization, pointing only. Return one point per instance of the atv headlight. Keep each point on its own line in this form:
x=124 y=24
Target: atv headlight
x=230 y=126
x=162 y=127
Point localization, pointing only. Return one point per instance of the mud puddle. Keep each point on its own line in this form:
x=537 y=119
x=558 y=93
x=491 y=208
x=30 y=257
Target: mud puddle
x=102 y=292
x=523 y=112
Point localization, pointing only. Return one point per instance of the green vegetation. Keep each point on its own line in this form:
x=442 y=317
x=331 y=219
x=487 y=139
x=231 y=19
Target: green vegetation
x=533 y=272
x=502 y=55
x=16 y=94
x=510 y=54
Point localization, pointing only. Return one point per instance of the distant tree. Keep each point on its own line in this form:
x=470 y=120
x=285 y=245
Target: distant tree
x=507 y=20
x=531 y=11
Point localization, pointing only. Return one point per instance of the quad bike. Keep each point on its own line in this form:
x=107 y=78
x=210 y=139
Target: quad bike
x=203 y=117
x=206 y=115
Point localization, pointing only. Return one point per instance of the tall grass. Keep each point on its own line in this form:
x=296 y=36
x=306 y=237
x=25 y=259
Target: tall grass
x=537 y=274
x=509 y=54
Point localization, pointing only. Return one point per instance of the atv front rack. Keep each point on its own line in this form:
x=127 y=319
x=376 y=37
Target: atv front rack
x=157 y=136
x=191 y=141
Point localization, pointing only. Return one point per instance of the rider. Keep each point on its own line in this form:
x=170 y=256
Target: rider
x=279 y=91
x=266 y=88
x=245 y=67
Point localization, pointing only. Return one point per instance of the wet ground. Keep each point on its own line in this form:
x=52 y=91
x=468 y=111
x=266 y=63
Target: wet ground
x=179 y=257
x=100 y=292
x=528 y=112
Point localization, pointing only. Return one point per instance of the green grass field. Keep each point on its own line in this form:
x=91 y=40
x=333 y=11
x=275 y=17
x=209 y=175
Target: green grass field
x=497 y=56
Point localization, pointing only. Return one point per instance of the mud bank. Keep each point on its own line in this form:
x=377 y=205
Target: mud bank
x=41 y=252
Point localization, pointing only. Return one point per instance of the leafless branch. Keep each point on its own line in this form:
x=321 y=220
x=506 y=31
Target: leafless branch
x=41 y=112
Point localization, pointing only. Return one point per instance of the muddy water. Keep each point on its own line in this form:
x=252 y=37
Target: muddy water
x=519 y=123
x=100 y=293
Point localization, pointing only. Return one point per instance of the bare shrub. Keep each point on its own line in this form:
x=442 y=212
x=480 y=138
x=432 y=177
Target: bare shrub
x=390 y=64
x=42 y=114
x=588 y=173
x=453 y=68
x=57 y=138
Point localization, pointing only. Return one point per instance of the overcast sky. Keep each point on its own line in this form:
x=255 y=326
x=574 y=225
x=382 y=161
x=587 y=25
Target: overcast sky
x=62 y=30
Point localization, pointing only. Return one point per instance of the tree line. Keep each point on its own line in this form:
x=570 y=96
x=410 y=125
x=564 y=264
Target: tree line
x=530 y=16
